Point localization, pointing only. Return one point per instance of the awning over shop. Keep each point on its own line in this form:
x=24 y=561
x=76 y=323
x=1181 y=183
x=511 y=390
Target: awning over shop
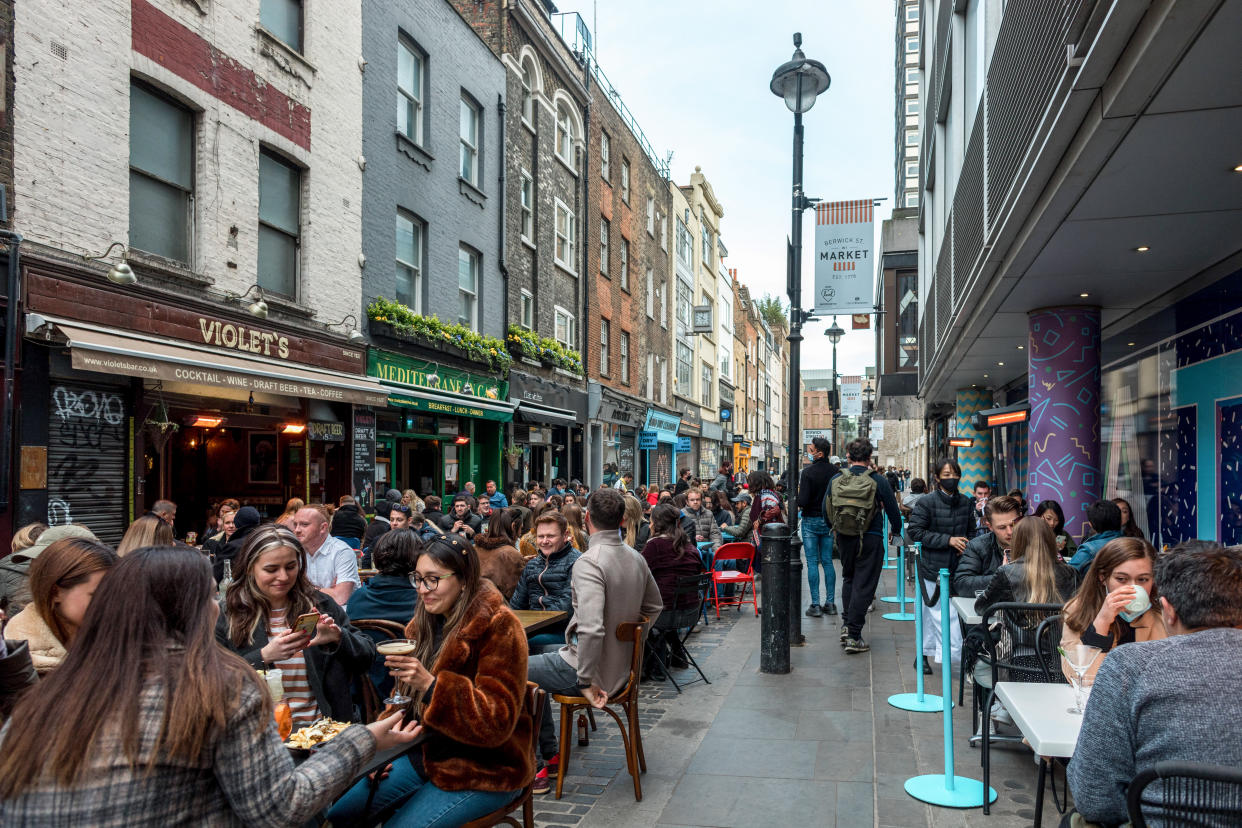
x=542 y=415
x=457 y=405
x=110 y=351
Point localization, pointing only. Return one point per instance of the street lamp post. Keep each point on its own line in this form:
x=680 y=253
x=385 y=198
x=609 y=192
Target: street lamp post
x=834 y=335
x=799 y=82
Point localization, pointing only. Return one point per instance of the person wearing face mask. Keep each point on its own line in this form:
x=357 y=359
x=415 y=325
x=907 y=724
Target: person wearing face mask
x=942 y=521
x=1117 y=602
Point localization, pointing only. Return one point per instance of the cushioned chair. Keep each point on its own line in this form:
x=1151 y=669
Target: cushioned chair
x=626 y=699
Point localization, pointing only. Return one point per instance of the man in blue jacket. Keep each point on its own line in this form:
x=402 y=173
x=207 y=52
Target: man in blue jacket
x=1105 y=518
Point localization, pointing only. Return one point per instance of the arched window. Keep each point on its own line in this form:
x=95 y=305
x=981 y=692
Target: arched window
x=568 y=129
x=532 y=83
x=528 y=97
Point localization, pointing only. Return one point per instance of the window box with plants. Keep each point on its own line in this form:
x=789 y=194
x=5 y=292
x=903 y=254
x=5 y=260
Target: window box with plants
x=523 y=342
x=396 y=321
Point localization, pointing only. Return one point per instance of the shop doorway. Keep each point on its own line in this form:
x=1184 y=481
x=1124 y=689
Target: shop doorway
x=420 y=466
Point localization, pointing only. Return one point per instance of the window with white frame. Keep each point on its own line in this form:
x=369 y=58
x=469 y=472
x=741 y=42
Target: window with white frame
x=604 y=331
x=912 y=137
x=565 y=134
x=912 y=13
x=912 y=170
x=725 y=370
x=411 y=65
x=408 y=289
x=161 y=175
x=726 y=305
x=468 y=287
x=912 y=107
x=664 y=232
x=605 y=157
x=565 y=328
x=528 y=94
x=663 y=303
x=651 y=216
x=283 y=18
x=528 y=310
x=604 y=233
x=528 y=207
x=706 y=390
x=625 y=180
x=685 y=248
x=912 y=199
x=685 y=301
x=625 y=264
x=650 y=293
x=470 y=118
x=912 y=44
x=651 y=383
x=566 y=237
x=912 y=75
x=662 y=378
x=625 y=357
x=707 y=246
x=685 y=369
x=280 y=223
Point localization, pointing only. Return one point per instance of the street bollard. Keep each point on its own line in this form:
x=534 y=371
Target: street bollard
x=918 y=701
x=774 y=621
x=902 y=614
x=888 y=561
x=796 y=638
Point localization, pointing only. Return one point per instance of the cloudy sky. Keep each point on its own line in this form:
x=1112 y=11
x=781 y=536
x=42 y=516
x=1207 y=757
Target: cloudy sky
x=696 y=77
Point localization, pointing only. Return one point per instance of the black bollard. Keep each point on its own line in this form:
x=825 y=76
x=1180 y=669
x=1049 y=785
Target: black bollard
x=774 y=621
x=796 y=638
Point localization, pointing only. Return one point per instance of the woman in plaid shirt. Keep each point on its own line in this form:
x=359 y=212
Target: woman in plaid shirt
x=150 y=722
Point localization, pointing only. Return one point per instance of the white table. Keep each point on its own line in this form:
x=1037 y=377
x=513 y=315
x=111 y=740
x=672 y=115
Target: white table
x=966 y=611
x=1041 y=712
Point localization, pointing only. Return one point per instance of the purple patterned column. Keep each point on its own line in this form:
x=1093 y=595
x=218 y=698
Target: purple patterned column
x=1064 y=435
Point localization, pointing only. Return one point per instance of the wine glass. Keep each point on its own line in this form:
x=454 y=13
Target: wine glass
x=397 y=647
x=1080 y=658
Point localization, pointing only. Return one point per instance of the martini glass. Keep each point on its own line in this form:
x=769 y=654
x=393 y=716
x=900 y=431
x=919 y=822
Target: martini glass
x=1080 y=657
x=397 y=647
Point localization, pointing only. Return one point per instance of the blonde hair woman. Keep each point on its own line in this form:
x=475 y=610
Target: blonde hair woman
x=147 y=530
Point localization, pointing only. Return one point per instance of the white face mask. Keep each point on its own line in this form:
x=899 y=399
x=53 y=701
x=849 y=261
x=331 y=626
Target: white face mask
x=1139 y=604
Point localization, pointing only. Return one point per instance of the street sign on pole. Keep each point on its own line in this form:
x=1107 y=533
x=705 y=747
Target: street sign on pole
x=809 y=434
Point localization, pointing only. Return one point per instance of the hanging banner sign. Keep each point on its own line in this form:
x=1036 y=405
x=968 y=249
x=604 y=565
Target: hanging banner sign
x=861 y=321
x=851 y=398
x=877 y=431
x=844 y=268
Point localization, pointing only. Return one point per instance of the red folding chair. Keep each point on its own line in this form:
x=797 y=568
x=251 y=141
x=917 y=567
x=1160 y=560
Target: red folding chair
x=744 y=555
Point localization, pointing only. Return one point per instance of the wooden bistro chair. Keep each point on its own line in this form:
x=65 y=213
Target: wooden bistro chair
x=525 y=798
x=627 y=700
x=743 y=554
x=378 y=629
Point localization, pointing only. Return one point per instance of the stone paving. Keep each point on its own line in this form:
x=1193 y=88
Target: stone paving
x=819 y=746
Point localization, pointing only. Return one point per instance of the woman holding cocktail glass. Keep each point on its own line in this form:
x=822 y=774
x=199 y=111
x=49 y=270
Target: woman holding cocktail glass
x=467 y=679
x=259 y=622
x=1117 y=603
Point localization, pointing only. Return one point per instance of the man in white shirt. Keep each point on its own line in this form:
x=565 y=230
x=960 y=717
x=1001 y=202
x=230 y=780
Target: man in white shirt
x=331 y=565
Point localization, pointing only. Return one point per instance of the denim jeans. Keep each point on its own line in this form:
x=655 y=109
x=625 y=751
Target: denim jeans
x=554 y=675
x=424 y=805
x=817 y=547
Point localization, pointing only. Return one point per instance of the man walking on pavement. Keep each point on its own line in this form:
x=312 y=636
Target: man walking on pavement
x=816 y=533
x=856 y=498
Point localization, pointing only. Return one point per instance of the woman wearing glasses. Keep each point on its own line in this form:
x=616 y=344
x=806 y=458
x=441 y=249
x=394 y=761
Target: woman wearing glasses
x=263 y=604
x=468 y=679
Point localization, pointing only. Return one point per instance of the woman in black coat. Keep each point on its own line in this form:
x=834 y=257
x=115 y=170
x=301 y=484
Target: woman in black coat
x=269 y=591
x=942 y=521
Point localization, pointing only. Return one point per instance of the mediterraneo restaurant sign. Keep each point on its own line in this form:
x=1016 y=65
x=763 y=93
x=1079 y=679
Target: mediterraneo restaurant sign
x=396 y=369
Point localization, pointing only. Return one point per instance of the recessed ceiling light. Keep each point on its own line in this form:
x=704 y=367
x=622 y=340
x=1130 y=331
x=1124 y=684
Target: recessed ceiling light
x=1130 y=344
x=985 y=376
x=1021 y=347
x=1238 y=168
x=1142 y=248
x=1084 y=295
x=1000 y=363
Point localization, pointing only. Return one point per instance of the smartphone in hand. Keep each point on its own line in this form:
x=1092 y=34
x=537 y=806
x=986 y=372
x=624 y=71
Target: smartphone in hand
x=306 y=623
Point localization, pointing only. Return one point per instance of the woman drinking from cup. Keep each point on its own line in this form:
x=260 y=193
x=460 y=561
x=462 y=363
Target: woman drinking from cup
x=468 y=680
x=1117 y=603
x=148 y=722
x=259 y=622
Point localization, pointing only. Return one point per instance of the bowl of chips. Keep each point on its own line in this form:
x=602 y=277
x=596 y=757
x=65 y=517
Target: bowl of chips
x=315 y=735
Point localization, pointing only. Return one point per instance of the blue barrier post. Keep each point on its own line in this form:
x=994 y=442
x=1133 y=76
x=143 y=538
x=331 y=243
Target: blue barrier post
x=888 y=561
x=917 y=702
x=948 y=789
x=902 y=613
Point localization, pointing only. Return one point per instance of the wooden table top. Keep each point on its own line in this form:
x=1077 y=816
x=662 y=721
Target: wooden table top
x=535 y=620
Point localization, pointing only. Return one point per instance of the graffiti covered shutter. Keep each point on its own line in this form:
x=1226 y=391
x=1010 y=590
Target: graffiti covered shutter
x=86 y=459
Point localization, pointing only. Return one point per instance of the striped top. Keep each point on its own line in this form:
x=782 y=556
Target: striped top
x=298 y=694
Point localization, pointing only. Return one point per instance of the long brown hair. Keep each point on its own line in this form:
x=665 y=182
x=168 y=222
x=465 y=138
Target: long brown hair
x=666 y=522
x=457 y=555
x=64 y=565
x=147 y=530
x=633 y=518
x=1034 y=543
x=150 y=621
x=1085 y=605
x=244 y=604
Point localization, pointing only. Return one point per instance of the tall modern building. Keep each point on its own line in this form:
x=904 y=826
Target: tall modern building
x=1081 y=252
x=906 y=106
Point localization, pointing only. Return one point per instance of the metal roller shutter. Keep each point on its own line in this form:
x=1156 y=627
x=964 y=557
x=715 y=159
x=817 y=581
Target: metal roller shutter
x=87 y=453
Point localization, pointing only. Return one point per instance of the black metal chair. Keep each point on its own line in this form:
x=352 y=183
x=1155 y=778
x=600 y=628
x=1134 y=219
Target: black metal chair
x=1013 y=657
x=674 y=626
x=1047 y=644
x=1195 y=794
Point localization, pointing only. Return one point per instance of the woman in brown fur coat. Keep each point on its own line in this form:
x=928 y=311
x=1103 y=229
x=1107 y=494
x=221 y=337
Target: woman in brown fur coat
x=471 y=700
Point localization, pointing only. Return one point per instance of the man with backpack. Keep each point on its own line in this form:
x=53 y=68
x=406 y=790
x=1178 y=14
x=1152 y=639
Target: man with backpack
x=853 y=506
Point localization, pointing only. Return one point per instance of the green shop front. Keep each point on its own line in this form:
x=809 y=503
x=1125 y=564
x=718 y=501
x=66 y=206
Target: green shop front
x=441 y=428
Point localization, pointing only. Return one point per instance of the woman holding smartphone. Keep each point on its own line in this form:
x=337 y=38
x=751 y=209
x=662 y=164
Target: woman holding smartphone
x=273 y=617
x=149 y=723
x=468 y=680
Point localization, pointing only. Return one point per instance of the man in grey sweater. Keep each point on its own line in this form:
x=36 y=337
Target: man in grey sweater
x=1173 y=699
x=611 y=585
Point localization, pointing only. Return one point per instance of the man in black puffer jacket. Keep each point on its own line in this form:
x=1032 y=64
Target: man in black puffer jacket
x=545 y=581
x=985 y=554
